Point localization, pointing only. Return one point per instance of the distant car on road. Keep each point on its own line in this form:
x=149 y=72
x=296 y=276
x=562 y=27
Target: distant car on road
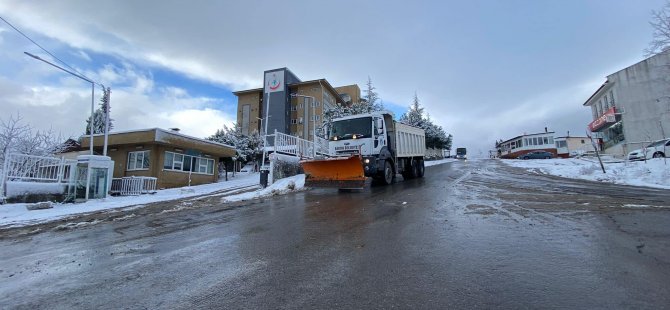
x=537 y=155
x=658 y=149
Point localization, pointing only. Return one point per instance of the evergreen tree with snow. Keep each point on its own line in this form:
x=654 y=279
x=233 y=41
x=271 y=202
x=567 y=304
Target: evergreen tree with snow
x=436 y=137
x=248 y=147
x=414 y=116
x=99 y=115
x=369 y=103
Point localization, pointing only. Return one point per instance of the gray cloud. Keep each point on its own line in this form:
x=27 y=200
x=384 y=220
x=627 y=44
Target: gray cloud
x=483 y=70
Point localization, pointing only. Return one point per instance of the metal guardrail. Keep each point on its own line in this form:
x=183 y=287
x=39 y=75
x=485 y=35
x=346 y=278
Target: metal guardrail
x=133 y=186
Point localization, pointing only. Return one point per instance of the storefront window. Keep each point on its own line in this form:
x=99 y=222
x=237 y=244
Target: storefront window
x=613 y=135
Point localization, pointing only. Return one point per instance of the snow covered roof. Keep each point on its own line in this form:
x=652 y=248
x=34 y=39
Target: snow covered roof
x=528 y=135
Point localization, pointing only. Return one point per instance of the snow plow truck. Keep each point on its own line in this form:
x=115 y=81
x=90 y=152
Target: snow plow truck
x=367 y=145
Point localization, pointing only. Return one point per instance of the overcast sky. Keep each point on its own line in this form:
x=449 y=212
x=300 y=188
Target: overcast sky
x=483 y=70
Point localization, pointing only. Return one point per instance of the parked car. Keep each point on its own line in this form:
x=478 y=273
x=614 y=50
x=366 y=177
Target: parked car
x=537 y=155
x=658 y=149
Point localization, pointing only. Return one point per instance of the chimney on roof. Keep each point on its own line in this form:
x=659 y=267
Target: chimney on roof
x=568 y=133
x=175 y=129
x=545 y=130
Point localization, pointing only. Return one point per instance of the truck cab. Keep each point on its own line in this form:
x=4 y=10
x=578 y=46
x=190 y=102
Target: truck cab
x=386 y=147
x=367 y=135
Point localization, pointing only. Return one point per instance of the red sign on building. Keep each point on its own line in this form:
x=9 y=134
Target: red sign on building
x=607 y=118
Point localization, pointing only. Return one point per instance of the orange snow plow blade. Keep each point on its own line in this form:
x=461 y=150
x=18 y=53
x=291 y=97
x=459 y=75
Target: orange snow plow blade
x=334 y=172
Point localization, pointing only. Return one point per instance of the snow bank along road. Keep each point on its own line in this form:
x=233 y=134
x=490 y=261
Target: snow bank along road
x=475 y=234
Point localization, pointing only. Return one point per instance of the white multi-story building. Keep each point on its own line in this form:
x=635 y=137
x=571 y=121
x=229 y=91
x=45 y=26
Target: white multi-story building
x=632 y=107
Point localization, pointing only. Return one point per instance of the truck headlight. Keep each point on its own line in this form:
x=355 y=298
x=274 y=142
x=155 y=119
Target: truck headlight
x=367 y=160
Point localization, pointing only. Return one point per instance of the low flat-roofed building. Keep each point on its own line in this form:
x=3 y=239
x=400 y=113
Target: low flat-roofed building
x=520 y=145
x=171 y=157
x=570 y=146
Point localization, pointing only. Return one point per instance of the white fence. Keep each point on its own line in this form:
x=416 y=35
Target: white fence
x=128 y=186
x=20 y=167
x=292 y=145
x=36 y=169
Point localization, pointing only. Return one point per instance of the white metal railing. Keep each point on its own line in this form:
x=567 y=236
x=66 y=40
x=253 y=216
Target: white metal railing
x=21 y=167
x=293 y=145
x=129 y=186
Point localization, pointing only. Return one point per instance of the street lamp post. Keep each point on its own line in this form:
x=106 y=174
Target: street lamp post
x=88 y=171
x=264 y=141
x=80 y=77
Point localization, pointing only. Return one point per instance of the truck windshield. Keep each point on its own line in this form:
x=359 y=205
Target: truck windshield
x=460 y=151
x=351 y=129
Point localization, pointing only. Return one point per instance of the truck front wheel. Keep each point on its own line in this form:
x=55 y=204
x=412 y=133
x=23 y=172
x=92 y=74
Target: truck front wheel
x=387 y=177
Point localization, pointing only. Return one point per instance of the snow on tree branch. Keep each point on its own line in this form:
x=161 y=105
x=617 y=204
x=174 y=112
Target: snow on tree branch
x=19 y=137
x=435 y=136
x=248 y=147
x=99 y=115
x=660 y=22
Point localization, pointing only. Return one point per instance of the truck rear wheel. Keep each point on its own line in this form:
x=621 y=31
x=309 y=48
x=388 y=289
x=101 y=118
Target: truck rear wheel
x=410 y=171
x=420 y=168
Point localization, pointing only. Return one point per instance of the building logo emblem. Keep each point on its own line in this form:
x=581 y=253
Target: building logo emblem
x=274 y=81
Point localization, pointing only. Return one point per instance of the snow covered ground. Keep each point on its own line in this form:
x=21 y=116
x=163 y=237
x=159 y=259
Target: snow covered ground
x=15 y=215
x=652 y=173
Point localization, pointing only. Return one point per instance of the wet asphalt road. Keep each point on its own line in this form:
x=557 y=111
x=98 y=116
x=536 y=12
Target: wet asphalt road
x=474 y=234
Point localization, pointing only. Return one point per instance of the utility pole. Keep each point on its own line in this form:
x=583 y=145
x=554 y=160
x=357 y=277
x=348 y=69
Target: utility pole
x=595 y=147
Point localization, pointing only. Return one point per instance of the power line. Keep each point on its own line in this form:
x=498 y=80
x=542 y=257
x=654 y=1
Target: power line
x=44 y=49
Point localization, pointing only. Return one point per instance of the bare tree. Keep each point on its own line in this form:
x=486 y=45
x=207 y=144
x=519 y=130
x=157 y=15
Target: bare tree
x=660 y=22
x=17 y=136
x=11 y=131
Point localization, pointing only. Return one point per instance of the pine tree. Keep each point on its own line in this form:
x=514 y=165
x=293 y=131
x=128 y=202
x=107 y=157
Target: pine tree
x=248 y=148
x=372 y=101
x=369 y=103
x=414 y=116
x=436 y=137
x=99 y=115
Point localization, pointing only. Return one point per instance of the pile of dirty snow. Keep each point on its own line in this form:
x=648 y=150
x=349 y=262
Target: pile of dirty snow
x=282 y=186
x=652 y=173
